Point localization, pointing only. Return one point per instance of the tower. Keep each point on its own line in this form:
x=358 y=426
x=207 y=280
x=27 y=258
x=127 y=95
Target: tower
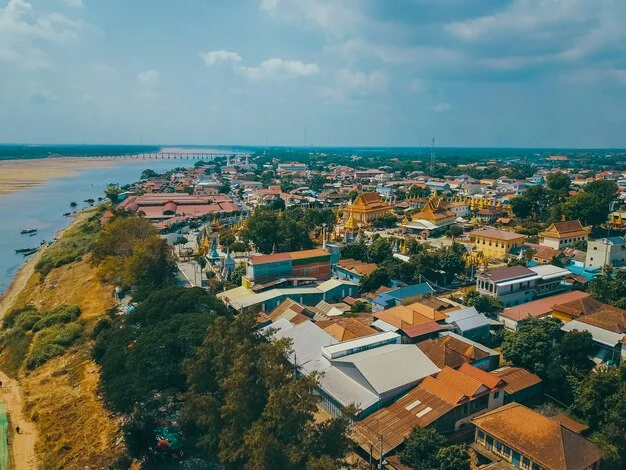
x=432 y=156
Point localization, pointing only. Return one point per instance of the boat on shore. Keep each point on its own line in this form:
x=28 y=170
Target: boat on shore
x=26 y=251
x=28 y=231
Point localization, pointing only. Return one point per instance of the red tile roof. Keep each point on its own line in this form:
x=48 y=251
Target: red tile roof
x=542 y=307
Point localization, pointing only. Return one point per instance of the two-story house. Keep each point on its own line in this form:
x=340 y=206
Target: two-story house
x=530 y=441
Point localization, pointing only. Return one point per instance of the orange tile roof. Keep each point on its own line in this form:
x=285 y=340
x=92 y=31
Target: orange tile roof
x=459 y=381
x=443 y=390
x=516 y=378
x=550 y=444
x=497 y=234
x=485 y=378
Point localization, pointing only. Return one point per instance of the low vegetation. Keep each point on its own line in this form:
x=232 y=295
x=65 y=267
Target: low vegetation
x=30 y=338
x=75 y=243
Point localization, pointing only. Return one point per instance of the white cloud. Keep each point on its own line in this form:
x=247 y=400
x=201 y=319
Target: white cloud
x=275 y=69
x=270 y=69
x=354 y=84
x=23 y=28
x=442 y=107
x=148 y=83
x=214 y=57
x=149 y=78
x=335 y=17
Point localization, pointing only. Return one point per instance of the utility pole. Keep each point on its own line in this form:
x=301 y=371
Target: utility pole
x=380 y=463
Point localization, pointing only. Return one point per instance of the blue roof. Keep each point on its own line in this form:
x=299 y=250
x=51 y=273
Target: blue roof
x=617 y=240
x=388 y=298
x=588 y=273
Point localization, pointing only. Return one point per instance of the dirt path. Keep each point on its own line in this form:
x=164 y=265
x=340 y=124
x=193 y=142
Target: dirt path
x=22 y=445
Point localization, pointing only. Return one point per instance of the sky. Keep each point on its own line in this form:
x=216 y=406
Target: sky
x=503 y=73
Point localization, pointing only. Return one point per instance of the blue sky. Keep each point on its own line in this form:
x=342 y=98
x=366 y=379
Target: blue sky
x=530 y=73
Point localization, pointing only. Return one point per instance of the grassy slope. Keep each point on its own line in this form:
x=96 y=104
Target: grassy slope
x=75 y=430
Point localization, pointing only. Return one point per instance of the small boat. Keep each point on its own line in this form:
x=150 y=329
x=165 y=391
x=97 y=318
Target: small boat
x=30 y=251
x=32 y=234
x=28 y=230
x=25 y=250
x=43 y=242
x=67 y=214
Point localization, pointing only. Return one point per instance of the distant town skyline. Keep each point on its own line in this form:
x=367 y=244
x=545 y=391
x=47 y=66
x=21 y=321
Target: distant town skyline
x=480 y=73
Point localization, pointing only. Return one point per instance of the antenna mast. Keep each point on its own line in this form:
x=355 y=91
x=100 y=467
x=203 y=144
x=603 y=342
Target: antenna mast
x=432 y=156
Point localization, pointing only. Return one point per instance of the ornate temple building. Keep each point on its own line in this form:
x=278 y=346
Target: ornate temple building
x=369 y=206
x=435 y=214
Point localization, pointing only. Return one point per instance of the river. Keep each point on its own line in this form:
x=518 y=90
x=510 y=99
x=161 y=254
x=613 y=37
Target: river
x=43 y=207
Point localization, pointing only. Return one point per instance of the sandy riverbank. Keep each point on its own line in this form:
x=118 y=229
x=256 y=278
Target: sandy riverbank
x=7 y=299
x=17 y=175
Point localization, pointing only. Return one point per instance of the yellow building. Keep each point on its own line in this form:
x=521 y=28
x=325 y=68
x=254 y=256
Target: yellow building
x=495 y=244
x=617 y=219
x=369 y=206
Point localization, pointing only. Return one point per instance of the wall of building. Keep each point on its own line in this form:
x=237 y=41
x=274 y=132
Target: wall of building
x=599 y=254
x=496 y=248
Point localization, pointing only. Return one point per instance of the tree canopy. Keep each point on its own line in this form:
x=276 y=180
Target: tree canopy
x=246 y=405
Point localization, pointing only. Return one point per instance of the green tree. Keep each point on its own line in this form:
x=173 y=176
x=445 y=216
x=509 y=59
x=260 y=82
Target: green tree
x=575 y=349
x=421 y=449
x=379 y=250
x=453 y=458
x=147 y=174
x=246 y=405
x=532 y=345
x=558 y=181
x=150 y=266
x=377 y=278
x=357 y=251
x=483 y=303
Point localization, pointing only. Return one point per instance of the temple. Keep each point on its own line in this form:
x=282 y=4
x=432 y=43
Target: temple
x=369 y=206
x=434 y=215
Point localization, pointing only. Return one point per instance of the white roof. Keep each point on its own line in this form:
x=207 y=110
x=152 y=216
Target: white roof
x=390 y=366
x=345 y=390
x=242 y=297
x=549 y=271
x=371 y=341
x=599 y=335
x=307 y=340
x=461 y=314
x=384 y=326
x=518 y=280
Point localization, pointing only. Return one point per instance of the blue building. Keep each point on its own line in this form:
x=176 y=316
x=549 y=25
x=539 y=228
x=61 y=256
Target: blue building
x=400 y=295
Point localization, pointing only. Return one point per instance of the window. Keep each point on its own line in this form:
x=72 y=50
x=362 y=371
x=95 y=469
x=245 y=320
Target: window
x=496 y=395
x=525 y=463
x=481 y=436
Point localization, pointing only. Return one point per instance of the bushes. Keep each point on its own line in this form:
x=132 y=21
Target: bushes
x=13 y=316
x=51 y=342
x=14 y=345
x=58 y=315
x=75 y=243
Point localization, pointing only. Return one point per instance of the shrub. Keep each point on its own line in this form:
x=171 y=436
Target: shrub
x=14 y=345
x=12 y=317
x=74 y=244
x=60 y=314
x=52 y=342
x=28 y=321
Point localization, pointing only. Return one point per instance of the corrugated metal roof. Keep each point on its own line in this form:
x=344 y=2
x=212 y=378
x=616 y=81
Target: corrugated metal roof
x=391 y=366
x=516 y=378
